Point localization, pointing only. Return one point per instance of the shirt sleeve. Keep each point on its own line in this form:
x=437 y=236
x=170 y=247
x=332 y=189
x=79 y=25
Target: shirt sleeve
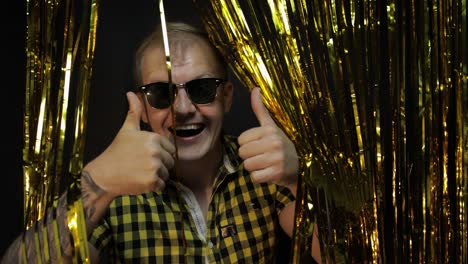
x=101 y=239
x=283 y=197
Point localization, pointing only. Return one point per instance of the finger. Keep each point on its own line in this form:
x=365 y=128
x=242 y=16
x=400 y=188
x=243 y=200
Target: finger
x=159 y=185
x=250 y=135
x=259 y=109
x=167 y=159
x=163 y=173
x=263 y=175
x=257 y=162
x=168 y=145
x=252 y=148
x=135 y=109
x=164 y=150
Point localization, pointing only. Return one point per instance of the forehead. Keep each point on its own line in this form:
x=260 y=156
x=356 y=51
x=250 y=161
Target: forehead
x=187 y=49
x=190 y=55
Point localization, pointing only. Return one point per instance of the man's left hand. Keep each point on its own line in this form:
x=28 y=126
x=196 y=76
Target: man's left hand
x=268 y=154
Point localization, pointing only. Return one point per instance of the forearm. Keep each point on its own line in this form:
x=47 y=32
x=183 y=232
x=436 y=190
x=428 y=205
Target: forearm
x=48 y=240
x=95 y=201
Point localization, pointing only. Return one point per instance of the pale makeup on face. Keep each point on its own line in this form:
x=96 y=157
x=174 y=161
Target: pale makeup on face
x=202 y=123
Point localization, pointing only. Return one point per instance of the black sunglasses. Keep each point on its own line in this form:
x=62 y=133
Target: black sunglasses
x=200 y=91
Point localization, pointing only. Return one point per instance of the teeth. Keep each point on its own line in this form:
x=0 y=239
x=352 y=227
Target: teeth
x=189 y=127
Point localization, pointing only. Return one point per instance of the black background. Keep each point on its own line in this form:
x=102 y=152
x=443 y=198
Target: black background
x=121 y=26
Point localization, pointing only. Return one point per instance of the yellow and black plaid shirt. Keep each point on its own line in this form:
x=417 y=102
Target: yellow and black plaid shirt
x=241 y=225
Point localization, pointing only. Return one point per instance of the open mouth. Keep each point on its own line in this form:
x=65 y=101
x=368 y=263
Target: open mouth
x=188 y=130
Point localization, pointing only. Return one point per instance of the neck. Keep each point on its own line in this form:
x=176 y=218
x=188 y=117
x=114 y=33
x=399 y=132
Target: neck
x=200 y=174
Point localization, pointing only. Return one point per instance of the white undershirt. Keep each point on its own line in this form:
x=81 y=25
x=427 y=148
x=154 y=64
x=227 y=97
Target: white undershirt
x=195 y=209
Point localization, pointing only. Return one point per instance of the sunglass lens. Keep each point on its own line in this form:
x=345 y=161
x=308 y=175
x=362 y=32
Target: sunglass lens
x=202 y=91
x=159 y=95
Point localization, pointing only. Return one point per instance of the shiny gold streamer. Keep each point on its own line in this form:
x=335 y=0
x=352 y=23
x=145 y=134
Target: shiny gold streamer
x=165 y=45
x=167 y=53
x=60 y=48
x=374 y=95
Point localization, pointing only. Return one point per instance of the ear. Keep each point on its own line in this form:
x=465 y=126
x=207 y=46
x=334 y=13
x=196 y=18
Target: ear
x=227 y=91
x=143 y=102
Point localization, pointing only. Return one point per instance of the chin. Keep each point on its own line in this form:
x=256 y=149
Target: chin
x=197 y=147
x=190 y=156
x=192 y=153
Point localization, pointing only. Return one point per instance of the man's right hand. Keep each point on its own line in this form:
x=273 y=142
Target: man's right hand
x=136 y=161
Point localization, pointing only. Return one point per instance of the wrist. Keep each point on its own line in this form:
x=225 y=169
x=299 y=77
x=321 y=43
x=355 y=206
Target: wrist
x=95 y=199
x=292 y=187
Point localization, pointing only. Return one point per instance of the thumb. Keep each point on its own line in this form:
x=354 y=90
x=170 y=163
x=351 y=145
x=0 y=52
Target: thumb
x=261 y=112
x=134 y=112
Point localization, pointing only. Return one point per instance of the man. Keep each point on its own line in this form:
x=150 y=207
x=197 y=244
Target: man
x=184 y=192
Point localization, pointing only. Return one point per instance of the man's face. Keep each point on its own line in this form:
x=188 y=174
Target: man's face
x=198 y=126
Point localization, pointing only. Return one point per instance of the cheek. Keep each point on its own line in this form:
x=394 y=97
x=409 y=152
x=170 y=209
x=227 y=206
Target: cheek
x=216 y=115
x=159 y=120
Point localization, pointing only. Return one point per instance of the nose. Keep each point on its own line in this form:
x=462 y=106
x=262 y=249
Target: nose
x=182 y=103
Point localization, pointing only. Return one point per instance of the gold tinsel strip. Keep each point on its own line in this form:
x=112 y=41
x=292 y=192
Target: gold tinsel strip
x=60 y=49
x=374 y=94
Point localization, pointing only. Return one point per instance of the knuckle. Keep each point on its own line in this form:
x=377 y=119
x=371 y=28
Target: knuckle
x=276 y=143
x=248 y=165
x=154 y=137
x=168 y=162
x=242 y=152
x=159 y=184
x=153 y=151
x=255 y=176
x=153 y=166
x=270 y=129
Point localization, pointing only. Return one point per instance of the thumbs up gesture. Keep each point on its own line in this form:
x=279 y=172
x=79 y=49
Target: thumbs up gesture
x=136 y=161
x=268 y=154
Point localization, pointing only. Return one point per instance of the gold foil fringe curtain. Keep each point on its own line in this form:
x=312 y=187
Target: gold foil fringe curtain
x=60 y=49
x=374 y=94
